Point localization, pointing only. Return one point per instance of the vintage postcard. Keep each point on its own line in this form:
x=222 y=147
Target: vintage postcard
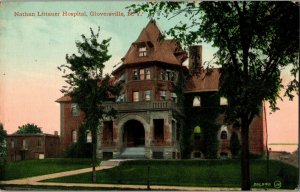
x=168 y=131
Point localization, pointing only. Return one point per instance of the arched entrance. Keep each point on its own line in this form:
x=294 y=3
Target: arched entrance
x=133 y=134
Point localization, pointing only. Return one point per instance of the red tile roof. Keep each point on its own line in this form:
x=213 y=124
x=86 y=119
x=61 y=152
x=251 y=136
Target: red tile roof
x=205 y=81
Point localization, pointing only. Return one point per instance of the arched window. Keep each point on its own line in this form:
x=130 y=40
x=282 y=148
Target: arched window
x=197 y=101
x=74 y=136
x=224 y=135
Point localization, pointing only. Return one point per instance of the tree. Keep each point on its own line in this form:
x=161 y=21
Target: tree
x=255 y=41
x=87 y=86
x=235 y=145
x=3 y=135
x=29 y=128
x=3 y=148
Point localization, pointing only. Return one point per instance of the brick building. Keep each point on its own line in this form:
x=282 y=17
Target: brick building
x=148 y=119
x=32 y=146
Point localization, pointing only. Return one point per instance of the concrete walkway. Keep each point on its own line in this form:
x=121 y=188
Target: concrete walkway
x=36 y=181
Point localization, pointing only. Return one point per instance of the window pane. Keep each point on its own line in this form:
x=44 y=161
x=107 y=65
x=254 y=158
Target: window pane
x=197 y=101
x=142 y=51
x=163 y=95
x=135 y=96
x=223 y=101
x=142 y=75
x=147 y=95
x=148 y=74
x=135 y=74
x=74 y=136
x=75 y=109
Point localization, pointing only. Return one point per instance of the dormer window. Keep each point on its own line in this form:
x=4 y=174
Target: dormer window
x=142 y=51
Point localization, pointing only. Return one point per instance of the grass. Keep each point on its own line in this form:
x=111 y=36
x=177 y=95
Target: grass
x=30 y=168
x=203 y=173
x=57 y=188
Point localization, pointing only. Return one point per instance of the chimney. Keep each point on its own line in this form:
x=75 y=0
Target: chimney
x=195 y=59
x=55 y=132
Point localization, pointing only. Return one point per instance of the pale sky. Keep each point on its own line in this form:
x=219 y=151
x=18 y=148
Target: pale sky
x=33 y=46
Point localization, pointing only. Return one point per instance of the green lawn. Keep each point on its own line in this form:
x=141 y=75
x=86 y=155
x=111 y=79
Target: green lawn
x=204 y=173
x=30 y=168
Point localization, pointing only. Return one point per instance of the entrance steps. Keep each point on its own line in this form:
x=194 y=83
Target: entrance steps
x=112 y=162
x=133 y=153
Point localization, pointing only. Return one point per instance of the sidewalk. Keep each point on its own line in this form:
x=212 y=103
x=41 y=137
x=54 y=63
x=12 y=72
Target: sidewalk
x=36 y=181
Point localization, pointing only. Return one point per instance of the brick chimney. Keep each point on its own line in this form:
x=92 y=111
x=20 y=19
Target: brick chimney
x=195 y=59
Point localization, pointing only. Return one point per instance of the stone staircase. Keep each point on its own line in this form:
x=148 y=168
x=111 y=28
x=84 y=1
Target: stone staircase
x=133 y=153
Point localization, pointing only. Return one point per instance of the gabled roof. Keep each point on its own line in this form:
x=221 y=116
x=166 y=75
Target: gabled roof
x=205 y=81
x=158 y=49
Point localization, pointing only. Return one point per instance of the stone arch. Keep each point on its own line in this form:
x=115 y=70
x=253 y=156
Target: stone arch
x=127 y=118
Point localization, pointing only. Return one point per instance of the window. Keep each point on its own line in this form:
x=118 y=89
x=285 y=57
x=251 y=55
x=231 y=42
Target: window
x=121 y=98
x=197 y=101
x=162 y=75
x=148 y=74
x=147 y=95
x=135 y=96
x=142 y=74
x=89 y=137
x=223 y=101
x=74 y=136
x=75 y=109
x=12 y=144
x=163 y=95
x=174 y=97
x=143 y=51
x=135 y=75
x=39 y=143
x=170 y=75
x=224 y=135
x=24 y=143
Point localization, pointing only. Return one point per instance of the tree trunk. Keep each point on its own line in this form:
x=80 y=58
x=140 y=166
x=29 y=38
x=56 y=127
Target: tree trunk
x=94 y=143
x=245 y=162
